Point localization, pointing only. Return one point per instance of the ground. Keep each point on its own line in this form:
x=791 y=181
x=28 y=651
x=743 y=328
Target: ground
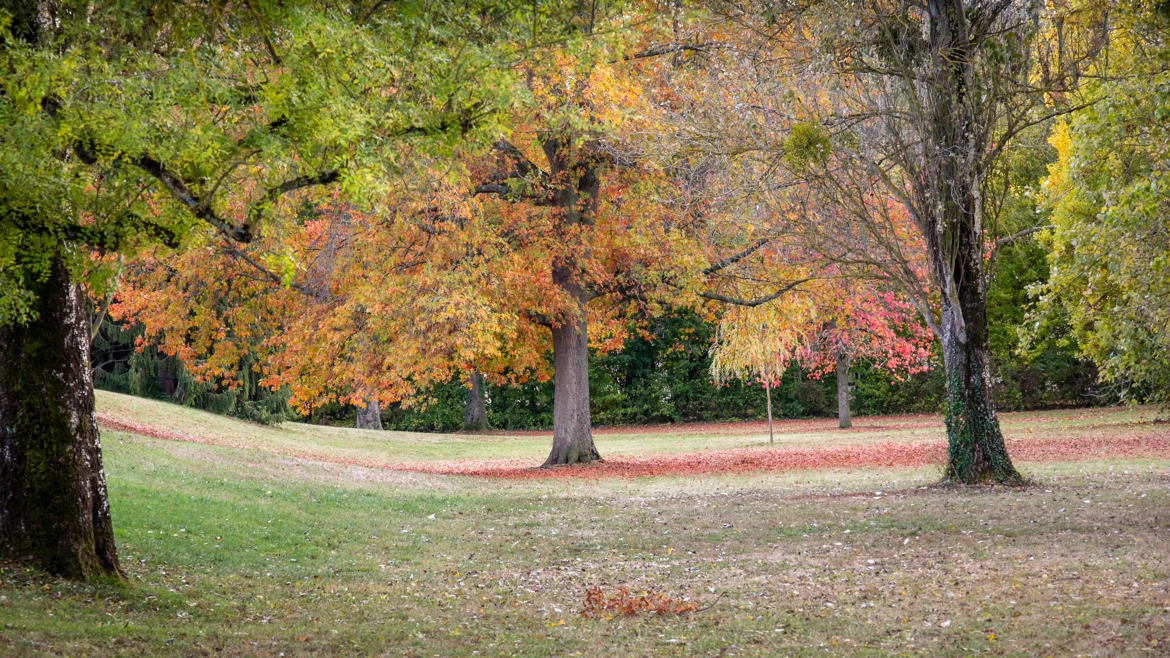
x=246 y=540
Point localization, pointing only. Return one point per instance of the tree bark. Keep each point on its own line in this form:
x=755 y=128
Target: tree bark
x=370 y=416
x=572 y=429
x=956 y=139
x=975 y=446
x=844 y=418
x=475 y=416
x=768 y=393
x=54 y=511
x=575 y=196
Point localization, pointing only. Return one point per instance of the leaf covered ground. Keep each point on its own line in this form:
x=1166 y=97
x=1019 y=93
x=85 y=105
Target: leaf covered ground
x=241 y=550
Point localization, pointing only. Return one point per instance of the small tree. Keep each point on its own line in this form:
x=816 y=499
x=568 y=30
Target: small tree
x=759 y=342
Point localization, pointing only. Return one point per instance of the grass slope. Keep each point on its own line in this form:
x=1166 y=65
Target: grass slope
x=239 y=549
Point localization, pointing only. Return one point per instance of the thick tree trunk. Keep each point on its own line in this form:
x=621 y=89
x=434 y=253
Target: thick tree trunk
x=369 y=417
x=957 y=139
x=572 y=430
x=975 y=447
x=576 y=197
x=53 y=506
x=475 y=416
x=844 y=418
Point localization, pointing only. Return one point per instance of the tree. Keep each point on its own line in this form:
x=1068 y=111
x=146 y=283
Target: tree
x=759 y=342
x=133 y=123
x=579 y=209
x=563 y=232
x=824 y=326
x=857 y=321
x=879 y=133
x=1109 y=244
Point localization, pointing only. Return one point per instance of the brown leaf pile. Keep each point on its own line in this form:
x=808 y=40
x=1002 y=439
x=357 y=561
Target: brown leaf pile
x=621 y=602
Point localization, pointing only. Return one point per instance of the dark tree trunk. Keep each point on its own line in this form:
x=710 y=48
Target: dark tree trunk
x=975 y=447
x=575 y=196
x=475 y=416
x=369 y=417
x=844 y=418
x=53 y=506
x=572 y=429
x=956 y=140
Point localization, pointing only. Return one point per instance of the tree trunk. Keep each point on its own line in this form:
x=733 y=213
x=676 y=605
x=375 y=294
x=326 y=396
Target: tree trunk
x=975 y=447
x=370 y=416
x=768 y=393
x=475 y=417
x=572 y=430
x=575 y=196
x=844 y=418
x=956 y=141
x=54 y=511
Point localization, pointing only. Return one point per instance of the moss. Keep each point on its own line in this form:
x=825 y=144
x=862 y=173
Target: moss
x=973 y=430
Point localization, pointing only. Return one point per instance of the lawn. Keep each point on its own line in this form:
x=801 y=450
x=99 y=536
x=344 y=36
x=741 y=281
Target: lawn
x=300 y=540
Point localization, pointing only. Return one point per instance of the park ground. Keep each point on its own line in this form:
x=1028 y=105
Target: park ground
x=239 y=539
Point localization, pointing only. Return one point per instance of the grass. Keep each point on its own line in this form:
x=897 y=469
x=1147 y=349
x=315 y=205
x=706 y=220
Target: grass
x=240 y=549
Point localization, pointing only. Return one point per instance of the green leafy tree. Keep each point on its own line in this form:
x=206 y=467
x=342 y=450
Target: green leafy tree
x=1110 y=197
x=129 y=123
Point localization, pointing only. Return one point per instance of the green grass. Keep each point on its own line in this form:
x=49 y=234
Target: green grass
x=243 y=550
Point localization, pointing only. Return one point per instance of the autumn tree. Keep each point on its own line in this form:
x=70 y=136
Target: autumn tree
x=135 y=123
x=824 y=326
x=857 y=321
x=577 y=206
x=879 y=133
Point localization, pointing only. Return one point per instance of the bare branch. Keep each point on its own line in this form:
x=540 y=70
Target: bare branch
x=1019 y=234
x=735 y=258
x=736 y=301
x=666 y=49
x=276 y=191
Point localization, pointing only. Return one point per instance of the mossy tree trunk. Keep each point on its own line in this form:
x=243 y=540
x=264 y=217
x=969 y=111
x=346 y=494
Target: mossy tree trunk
x=975 y=447
x=956 y=139
x=54 y=510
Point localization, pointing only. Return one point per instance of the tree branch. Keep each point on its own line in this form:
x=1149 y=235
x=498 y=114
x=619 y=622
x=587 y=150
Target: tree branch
x=736 y=301
x=1019 y=234
x=735 y=258
x=665 y=49
x=276 y=191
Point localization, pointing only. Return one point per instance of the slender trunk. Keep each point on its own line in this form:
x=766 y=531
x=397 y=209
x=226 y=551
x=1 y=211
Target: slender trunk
x=370 y=416
x=768 y=393
x=844 y=418
x=956 y=143
x=475 y=417
x=572 y=430
x=54 y=511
